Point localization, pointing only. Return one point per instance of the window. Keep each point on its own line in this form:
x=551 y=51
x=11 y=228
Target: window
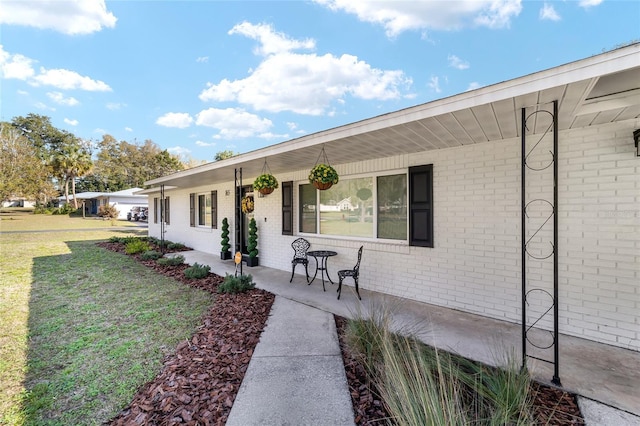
x=392 y=207
x=155 y=210
x=347 y=208
x=368 y=207
x=203 y=209
x=308 y=200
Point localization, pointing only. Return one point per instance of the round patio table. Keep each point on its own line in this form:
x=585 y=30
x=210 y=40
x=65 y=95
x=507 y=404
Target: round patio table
x=321 y=264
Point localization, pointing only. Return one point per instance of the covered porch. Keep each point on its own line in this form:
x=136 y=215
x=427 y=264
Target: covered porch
x=600 y=374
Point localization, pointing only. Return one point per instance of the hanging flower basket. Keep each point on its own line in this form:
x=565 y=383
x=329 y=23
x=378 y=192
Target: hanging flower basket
x=265 y=183
x=323 y=176
x=247 y=204
x=322 y=186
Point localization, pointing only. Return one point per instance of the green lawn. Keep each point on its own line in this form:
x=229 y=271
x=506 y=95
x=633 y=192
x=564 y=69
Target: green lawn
x=21 y=220
x=81 y=328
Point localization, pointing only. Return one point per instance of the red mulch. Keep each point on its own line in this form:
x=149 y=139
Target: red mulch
x=198 y=384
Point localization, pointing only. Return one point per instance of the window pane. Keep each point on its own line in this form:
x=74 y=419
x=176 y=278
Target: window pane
x=392 y=207
x=207 y=210
x=201 y=210
x=347 y=208
x=307 y=208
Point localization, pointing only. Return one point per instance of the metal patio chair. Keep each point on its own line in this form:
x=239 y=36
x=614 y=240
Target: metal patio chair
x=353 y=273
x=300 y=247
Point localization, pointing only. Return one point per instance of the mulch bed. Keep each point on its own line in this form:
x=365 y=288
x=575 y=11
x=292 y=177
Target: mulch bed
x=552 y=406
x=198 y=384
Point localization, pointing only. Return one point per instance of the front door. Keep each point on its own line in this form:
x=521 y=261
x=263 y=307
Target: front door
x=242 y=219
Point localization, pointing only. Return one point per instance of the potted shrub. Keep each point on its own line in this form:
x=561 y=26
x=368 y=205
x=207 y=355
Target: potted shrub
x=252 y=243
x=247 y=204
x=225 y=253
x=323 y=176
x=265 y=183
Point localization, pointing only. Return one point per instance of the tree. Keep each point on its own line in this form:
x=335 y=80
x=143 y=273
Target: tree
x=123 y=165
x=22 y=172
x=71 y=160
x=223 y=155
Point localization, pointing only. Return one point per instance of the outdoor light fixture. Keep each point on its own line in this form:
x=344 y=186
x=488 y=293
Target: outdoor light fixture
x=636 y=140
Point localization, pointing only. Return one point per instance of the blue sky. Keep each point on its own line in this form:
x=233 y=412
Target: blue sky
x=199 y=77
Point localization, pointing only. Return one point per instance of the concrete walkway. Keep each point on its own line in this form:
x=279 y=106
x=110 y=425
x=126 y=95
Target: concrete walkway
x=288 y=371
x=296 y=375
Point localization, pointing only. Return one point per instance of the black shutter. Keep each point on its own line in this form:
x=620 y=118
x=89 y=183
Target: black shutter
x=192 y=209
x=287 y=208
x=214 y=209
x=421 y=206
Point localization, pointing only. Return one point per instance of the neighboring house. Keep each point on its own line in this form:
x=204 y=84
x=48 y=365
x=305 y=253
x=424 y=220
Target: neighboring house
x=18 y=202
x=454 y=202
x=123 y=200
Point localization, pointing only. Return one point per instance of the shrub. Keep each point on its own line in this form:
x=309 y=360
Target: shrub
x=151 y=255
x=233 y=284
x=136 y=246
x=197 y=271
x=171 y=261
x=176 y=246
x=108 y=211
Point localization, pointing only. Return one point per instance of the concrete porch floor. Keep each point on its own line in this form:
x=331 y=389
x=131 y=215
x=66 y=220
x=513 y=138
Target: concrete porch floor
x=606 y=377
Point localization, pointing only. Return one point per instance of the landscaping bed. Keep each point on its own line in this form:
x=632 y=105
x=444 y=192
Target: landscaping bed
x=198 y=384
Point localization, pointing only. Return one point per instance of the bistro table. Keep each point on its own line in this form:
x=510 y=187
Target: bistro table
x=321 y=265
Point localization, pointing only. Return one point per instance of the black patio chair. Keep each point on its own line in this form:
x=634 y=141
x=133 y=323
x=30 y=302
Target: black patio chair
x=353 y=273
x=300 y=247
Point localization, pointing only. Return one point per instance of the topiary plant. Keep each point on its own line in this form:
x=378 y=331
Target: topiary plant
x=252 y=245
x=225 y=236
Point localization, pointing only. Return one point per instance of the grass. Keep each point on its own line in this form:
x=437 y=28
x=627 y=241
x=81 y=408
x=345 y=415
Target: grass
x=81 y=328
x=17 y=219
x=421 y=385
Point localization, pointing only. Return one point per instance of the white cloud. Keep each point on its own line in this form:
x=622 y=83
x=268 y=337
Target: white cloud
x=128 y=129
x=233 y=122
x=41 y=105
x=15 y=66
x=457 y=63
x=113 y=106
x=589 y=3
x=548 y=13
x=67 y=80
x=291 y=125
x=434 y=84
x=68 y=17
x=71 y=122
x=59 y=98
x=179 y=150
x=100 y=131
x=271 y=42
x=399 y=16
x=304 y=83
x=180 y=120
x=202 y=59
x=201 y=143
x=474 y=85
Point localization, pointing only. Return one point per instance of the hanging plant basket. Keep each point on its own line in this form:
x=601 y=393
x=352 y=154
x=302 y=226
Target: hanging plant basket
x=321 y=185
x=322 y=175
x=266 y=191
x=266 y=182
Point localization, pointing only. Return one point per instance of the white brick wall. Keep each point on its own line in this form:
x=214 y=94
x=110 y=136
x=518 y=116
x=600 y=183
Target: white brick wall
x=476 y=263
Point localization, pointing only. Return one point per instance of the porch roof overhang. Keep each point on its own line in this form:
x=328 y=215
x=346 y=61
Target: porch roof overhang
x=593 y=91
